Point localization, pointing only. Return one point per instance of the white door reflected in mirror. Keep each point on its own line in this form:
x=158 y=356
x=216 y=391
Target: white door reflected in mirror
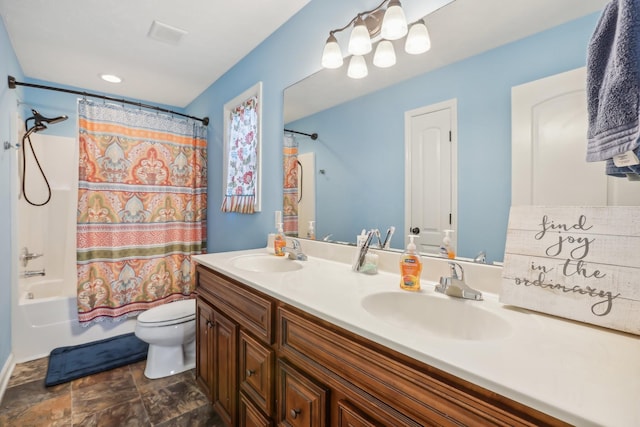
x=431 y=170
x=549 y=166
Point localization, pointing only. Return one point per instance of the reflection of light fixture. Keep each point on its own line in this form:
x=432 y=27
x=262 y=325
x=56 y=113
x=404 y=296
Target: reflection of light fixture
x=394 y=24
x=385 y=23
x=418 y=40
x=332 y=55
x=359 y=42
x=385 y=56
x=357 y=67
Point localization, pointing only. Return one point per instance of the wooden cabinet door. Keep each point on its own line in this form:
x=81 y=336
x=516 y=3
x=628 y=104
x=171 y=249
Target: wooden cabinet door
x=204 y=334
x=256 y=371
x=250 y=416
x=301 y=401
x=225 y=353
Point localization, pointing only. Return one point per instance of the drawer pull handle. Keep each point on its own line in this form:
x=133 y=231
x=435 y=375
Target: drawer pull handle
x=250 y=372
x=294 y=413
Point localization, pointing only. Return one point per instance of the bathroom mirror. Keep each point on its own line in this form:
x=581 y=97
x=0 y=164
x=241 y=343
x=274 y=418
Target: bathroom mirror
x=477 y=56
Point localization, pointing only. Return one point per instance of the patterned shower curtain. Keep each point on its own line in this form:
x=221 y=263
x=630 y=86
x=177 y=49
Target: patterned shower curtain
x=141 y=210
x=290 y=189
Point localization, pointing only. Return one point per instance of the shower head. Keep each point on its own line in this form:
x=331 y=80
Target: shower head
x=39 y=122
x=39 y=118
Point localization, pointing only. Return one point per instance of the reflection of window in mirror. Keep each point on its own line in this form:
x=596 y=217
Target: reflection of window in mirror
x=242 y=152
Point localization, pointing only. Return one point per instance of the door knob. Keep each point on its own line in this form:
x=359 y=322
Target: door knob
x=250 y=372
x=414 y=230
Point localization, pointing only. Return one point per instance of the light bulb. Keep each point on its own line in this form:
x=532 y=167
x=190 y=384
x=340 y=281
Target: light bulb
x=418 y=40
x=359 y=42
x=385 y=56
x=394 y=23
x=332 y=55
x=357 y=67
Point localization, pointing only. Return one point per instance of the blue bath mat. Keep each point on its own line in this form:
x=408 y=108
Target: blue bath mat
x=70 y=363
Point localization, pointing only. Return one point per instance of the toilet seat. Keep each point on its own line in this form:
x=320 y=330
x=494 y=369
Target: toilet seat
x=172 y=313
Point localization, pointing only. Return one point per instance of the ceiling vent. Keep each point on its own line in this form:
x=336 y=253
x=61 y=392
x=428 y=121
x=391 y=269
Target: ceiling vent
x=165 y=33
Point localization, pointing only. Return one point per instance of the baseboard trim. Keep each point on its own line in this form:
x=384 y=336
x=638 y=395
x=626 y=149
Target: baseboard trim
x=5 y=375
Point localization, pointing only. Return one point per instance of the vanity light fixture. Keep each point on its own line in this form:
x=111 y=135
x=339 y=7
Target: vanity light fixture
x=418 y=40
x=357 y=67
x=360 y=41
x=394 y=25
x=385 y=56
x=383 y=24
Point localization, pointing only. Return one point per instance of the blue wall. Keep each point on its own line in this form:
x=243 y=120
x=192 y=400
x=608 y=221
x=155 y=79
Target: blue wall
x=292 y=53
x=8 y=106
x=365 y=164
x=288 y=55
x=481 y=84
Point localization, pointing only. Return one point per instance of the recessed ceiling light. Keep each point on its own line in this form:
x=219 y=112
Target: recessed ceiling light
x=111 y=78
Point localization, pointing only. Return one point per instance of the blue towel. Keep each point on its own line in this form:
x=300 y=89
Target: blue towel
x=613 y=82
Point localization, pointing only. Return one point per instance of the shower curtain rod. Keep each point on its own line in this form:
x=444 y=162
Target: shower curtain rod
x=13 y=83
x=313 y=136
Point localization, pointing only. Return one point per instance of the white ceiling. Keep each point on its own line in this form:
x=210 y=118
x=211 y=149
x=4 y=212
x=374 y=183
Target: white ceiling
x=72 y=42
x=458 y=30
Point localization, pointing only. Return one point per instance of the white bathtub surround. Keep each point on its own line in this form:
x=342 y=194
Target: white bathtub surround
x=582 y=374
x=44 y=309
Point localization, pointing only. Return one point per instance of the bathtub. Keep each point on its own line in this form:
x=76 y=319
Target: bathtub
x=43 y=320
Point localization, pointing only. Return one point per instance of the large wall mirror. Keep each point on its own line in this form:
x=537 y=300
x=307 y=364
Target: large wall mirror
x=480 y=51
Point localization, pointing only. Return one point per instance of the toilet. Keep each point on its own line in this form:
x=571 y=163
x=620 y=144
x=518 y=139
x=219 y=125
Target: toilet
x=170 y=331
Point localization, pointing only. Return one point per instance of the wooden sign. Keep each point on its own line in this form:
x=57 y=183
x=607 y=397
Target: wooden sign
x=581 y=263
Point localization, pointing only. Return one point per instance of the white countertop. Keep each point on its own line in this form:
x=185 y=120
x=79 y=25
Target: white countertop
x=579 y=373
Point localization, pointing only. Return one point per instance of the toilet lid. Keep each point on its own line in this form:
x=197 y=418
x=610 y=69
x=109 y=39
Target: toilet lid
x=173 y=312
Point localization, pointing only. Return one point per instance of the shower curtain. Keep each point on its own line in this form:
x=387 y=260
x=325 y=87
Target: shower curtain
x=290 y=189
x=141 y=209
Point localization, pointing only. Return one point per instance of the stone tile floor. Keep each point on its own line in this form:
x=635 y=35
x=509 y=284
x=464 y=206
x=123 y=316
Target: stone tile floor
x=120 y=397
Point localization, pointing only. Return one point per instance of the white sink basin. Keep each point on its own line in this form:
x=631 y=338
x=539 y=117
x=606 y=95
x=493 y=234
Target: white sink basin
x=444 y=317
x=265 y=263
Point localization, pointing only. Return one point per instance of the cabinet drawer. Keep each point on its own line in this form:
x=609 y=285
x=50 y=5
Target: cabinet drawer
x=349 y=416
x=256 y=371
x=247 y=307
x=250 y=416
x=301 y=401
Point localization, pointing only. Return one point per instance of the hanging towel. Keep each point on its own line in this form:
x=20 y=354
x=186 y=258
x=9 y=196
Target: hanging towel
x=613 y=82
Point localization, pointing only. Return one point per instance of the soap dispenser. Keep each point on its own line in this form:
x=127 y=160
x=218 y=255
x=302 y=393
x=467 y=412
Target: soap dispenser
x=410 y=267
x=446 y=249
x=279 y=241
x=311 y=232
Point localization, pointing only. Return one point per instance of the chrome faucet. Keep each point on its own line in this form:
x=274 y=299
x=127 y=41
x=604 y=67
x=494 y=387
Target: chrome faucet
x=26 y=256
x=295 y=251
x=455 y=286
x=481 y=258
x=32 y=273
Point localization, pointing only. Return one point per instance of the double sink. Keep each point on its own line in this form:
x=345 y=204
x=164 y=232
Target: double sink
x=422 y=312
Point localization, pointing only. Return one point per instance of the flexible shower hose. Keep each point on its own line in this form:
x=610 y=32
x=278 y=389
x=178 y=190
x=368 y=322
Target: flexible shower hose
x=27 y=137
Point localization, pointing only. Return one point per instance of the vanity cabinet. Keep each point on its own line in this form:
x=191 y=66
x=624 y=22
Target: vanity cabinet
x=295 y=369
x=216 y=356
x=234 y=346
